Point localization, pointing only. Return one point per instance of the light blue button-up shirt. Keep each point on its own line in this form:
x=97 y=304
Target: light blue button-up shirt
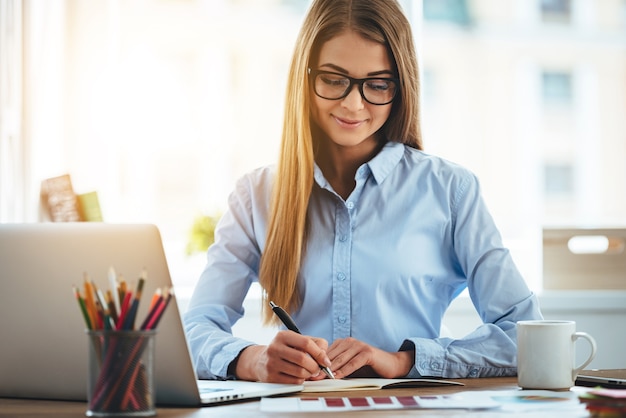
x=381 y=266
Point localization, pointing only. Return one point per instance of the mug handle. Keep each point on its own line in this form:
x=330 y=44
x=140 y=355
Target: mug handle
x=592 y=343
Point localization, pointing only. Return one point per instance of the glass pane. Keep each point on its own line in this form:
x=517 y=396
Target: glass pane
x=452 y=11
x=559 y=180
x=557 y=11
x=556 y=86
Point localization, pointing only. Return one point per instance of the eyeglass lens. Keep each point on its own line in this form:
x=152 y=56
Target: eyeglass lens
x=336 y=86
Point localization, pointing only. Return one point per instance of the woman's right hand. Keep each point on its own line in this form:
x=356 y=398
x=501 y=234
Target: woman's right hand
x=289 y=358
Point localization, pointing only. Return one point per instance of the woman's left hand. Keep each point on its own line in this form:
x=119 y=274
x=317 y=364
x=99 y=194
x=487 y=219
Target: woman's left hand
x=349 y=355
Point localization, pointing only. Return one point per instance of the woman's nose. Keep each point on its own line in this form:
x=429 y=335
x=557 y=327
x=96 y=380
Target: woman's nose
x=354 y=100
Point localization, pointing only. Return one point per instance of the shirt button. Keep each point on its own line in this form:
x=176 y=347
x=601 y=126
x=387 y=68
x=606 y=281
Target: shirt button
x=434 y=366
x=350 y=205
x=473 y=373
x=343 y=238
x=341 y=276
x=342 y=319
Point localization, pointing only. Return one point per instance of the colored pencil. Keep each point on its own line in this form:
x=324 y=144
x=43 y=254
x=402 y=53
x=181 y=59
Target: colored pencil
x=111 y=305
x=90 y=302
x=155 y=299
x=114 y=293
x=153 y=319
x=124 y=310
x=129 y=320
x=83 y=308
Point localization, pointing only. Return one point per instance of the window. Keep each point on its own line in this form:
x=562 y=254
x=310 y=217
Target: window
x=451 y=11
x=556 y=87
x=558 y=180
x=12 y=173
x=556 y=11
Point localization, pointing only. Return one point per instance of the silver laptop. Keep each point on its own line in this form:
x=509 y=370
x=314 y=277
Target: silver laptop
x=608 y=378
x=43 y=344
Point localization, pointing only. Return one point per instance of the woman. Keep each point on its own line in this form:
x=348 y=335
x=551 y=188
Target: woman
x=359 y=234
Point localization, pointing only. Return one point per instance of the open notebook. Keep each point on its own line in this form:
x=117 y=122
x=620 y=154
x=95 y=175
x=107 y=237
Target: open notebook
x=43 y=345
x=338 y=385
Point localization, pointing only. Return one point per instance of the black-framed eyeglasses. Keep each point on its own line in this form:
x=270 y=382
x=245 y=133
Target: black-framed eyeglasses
x=334 y=86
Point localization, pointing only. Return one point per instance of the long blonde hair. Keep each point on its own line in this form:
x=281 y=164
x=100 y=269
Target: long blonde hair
x=381 y=21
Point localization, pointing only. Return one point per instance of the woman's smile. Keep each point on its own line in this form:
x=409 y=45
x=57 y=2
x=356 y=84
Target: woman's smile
x=348 y=123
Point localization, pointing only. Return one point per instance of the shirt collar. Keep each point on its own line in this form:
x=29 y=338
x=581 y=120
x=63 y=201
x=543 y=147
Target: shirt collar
x=380 y=166
x=386 y=160
x=319 y=177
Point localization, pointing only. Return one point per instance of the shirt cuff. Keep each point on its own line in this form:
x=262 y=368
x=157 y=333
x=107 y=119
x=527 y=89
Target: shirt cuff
x=429 y=357
x=232 y=366
x=220 y=364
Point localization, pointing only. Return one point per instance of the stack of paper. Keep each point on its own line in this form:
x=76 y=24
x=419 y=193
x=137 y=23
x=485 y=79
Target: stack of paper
x=605 y=402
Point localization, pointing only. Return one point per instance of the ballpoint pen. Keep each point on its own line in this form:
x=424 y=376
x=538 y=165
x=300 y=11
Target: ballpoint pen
x=286 y=319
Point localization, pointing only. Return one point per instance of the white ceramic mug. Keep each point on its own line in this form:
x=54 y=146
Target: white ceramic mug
x=546 y=354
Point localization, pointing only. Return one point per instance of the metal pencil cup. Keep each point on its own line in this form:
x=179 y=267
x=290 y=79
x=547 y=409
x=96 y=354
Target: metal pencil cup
x=121 y=374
